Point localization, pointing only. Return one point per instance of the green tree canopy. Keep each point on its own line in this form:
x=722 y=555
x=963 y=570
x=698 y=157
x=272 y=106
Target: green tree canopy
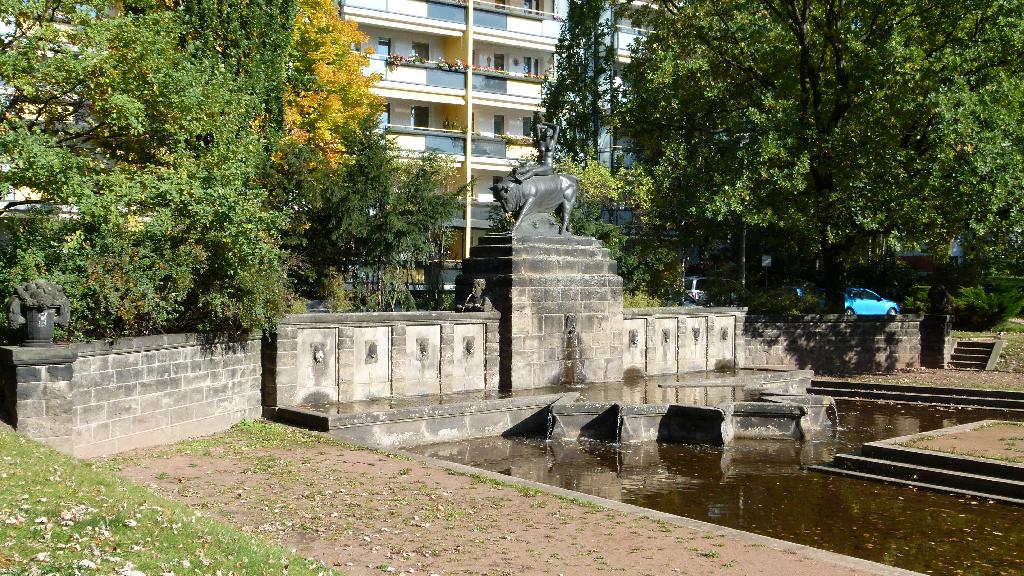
x=577 y=97
x=138 y=160
x=369 y=218
x=833 y=120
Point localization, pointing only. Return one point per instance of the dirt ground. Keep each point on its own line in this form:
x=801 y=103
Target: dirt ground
x=999 y=441
x=945 y=377
x=365 y=512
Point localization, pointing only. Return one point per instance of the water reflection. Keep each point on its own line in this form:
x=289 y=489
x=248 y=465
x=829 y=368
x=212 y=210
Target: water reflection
x=761 y=486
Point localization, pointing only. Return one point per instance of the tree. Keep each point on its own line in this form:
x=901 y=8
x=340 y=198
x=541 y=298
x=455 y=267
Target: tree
x=833 y=120
x=578 y=96
x=327 y=93
x=370 y=218
x=139 y=159
x=251 y=39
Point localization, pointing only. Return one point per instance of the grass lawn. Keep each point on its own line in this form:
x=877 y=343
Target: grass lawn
x=59 y=515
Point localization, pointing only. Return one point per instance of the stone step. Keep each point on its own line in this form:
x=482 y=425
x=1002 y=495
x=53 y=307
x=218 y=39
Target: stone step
x=968 y=364
x=981 y=400
x=949 y=479
x=971 y=356
x=913 y=484
x=975 y=345
x=952 y=462
x=941 y=390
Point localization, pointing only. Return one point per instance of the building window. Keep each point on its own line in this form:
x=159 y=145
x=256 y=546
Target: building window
x=421 y=49
x=421 y=116
x=499 y=61
x=527 y=125
x=499 y=124
x=531 y=65
x=531 y=4
x=385 y=117
x=384 y=46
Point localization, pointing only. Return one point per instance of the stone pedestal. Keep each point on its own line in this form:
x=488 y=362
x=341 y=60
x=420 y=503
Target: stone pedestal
x=542 y=286
x=35 y=393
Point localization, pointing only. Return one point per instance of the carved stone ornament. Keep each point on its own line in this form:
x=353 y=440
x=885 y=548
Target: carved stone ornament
x=38 y=306
x=477 y=301
x=537 y=188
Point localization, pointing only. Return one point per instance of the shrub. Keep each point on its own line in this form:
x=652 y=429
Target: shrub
x=779 y=302
x=976 y=309
x=916 y=301
x=640 y=300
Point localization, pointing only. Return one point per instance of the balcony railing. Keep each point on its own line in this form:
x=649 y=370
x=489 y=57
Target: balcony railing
x=453 y=142
x=443 y=11
x=626 y=35
x=514 y=19
x=426 y=74
x=488 y=148
x=497 y=83
x=416 y=139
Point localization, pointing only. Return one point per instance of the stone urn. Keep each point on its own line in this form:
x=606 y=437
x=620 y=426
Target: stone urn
x=38 y=306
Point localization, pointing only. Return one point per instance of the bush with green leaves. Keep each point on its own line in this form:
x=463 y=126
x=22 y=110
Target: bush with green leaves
x=142 y=161
x=782 y=302
x=368 y=219
x=976 y=309
x=917 y=301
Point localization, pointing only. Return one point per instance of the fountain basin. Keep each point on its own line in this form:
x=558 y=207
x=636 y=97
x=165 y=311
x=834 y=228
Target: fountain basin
x=675 y=423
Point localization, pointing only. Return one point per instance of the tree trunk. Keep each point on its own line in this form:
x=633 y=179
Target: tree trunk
x=834 y=268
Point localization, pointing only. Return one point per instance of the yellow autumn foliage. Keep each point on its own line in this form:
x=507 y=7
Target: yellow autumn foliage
x=327 y=92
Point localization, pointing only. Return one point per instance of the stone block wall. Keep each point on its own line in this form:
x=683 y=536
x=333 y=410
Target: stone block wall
x=545 y=287
x=676 y=340
x=325 y=358
x=834 y=344
x=99 y=398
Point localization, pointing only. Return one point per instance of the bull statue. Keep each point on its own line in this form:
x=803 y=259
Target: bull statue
x=538 y=188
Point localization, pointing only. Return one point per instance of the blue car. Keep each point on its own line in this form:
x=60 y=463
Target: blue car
x=864 y=302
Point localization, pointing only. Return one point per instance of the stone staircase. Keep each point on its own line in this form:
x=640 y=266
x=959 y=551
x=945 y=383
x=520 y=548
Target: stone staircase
x=974 y=355
x=925 y=470
x=1004 y=399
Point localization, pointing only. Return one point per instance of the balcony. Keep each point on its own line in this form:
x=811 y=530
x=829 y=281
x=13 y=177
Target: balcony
x=431 y=83
x=497 y=151
x=511 y=23
x=436 y=16
x=415 y=139
x=507 y=90
x=625 y=36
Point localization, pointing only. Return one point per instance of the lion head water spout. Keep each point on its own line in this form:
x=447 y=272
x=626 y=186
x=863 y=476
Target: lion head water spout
x=572 y=373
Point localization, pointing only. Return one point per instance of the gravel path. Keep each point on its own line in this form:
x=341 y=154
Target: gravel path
x=367 y=512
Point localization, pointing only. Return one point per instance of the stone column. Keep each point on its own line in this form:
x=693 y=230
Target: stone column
x=36 y=393
x=936 y=340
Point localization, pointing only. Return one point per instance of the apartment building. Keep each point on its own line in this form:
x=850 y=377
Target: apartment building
x=462 y=78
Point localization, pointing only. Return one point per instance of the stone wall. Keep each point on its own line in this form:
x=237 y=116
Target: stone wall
x=676 y=340
x=99 y=398
x=325 y=358
x=560 y=301
x=833 y=344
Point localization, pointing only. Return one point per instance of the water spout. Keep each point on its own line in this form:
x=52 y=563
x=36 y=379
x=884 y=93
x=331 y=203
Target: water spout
x=572 y=373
